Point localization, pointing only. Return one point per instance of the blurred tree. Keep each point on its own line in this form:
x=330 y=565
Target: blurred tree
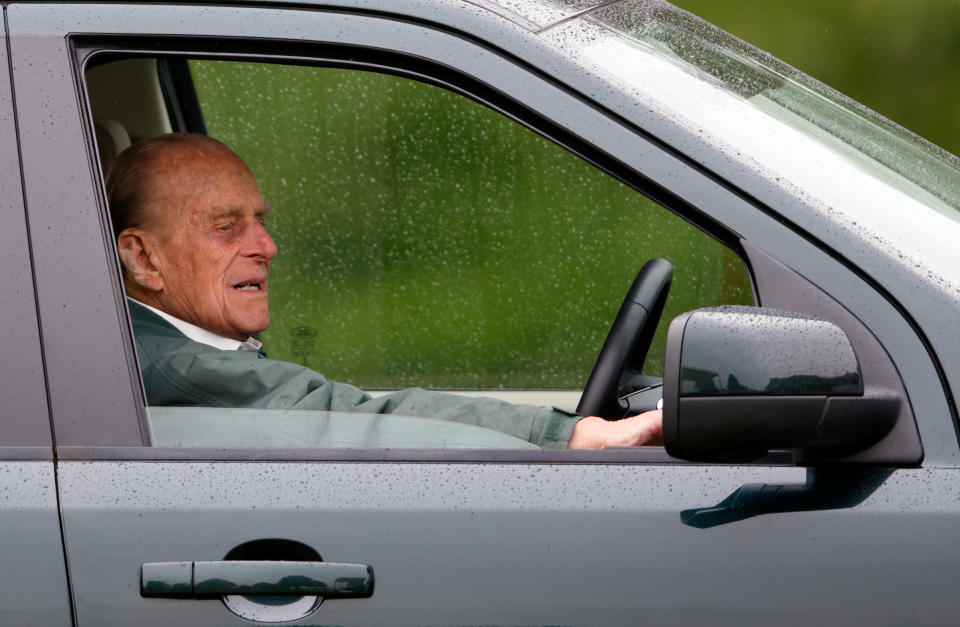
x=898 y=58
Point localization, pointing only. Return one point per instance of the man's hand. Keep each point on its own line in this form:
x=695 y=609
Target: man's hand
x=594 y=432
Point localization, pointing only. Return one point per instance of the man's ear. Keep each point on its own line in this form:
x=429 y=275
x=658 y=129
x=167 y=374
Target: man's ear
x=136 y=254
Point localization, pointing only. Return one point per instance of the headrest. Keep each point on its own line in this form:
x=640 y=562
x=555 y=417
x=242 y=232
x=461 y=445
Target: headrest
x=112 y=139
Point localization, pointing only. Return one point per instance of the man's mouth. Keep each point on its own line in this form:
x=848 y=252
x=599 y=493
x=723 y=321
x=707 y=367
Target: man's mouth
x=247 y=287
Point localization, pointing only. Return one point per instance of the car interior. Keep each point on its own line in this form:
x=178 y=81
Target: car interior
x=441 y=345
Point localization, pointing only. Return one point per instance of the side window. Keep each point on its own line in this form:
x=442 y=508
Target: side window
x=425 y=239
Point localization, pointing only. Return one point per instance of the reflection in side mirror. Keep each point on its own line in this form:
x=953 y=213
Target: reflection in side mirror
x=740 y=381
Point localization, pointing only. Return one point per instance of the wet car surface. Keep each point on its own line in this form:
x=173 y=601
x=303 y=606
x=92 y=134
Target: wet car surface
x=811 y=452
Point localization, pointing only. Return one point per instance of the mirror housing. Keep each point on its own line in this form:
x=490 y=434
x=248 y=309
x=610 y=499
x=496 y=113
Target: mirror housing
x=740 y=381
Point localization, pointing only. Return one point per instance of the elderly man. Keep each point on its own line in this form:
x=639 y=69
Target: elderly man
x=189 y=219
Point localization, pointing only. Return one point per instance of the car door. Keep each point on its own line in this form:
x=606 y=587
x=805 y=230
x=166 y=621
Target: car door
x=451 y=536
x=35 y=586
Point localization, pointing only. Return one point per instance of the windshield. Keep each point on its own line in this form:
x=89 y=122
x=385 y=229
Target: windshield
x=777 y=115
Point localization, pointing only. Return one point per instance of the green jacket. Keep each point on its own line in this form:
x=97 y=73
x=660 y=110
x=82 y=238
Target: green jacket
x=178 y=371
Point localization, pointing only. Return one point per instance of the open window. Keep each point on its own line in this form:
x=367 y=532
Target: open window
x=426 y=238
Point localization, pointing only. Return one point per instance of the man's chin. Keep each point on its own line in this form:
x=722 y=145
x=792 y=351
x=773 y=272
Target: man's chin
x=249 y=320
x=254 y=327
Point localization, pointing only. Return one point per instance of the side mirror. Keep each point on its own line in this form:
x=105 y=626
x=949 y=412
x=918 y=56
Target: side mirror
x=740 y=381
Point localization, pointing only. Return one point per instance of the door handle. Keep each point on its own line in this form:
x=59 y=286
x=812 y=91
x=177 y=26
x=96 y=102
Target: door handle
x=276 y=578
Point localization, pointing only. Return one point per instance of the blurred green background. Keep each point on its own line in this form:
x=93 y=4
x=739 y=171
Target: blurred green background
x=898 y=57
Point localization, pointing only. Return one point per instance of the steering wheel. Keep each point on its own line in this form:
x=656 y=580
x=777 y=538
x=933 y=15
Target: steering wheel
x=627 y=343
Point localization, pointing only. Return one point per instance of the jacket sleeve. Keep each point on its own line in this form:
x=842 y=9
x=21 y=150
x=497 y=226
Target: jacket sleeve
x=216 y=378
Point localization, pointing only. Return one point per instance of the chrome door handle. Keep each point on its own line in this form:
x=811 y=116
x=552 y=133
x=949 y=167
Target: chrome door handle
x=277 y=578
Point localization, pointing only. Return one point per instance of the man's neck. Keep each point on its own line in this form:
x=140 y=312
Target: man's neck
x=198 y=334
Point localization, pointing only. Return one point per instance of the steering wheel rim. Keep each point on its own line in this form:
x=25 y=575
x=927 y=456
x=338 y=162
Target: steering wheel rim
x=629 y=340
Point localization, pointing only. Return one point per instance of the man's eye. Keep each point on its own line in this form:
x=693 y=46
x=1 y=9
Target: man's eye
x=223 y=227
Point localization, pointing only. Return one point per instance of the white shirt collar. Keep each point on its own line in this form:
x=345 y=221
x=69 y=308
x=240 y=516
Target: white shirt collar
x=203 y=336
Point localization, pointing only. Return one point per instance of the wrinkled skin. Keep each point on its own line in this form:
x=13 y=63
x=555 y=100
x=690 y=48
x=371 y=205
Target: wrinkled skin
x=205 y=255
x=639 y=430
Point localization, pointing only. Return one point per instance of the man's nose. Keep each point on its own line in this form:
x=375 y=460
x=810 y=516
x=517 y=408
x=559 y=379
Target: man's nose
x=258 y=242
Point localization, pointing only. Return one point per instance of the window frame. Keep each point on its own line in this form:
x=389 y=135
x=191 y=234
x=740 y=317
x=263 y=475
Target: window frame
x=95 y=420
x=96 y=50
x=92 y=51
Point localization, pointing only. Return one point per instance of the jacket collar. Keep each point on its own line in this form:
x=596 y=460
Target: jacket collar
x=198 y=334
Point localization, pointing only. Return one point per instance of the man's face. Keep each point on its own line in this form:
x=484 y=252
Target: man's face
x=213 y=248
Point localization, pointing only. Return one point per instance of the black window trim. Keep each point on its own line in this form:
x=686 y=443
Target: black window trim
x=180 y=96
x=90 y=51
